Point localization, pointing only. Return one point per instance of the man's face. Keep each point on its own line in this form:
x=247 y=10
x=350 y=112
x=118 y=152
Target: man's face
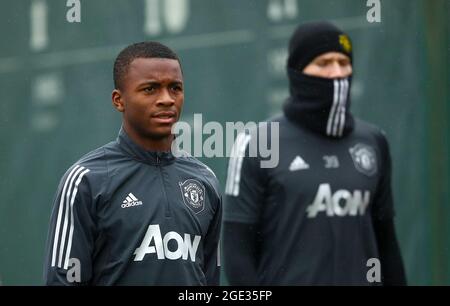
x=329 y=65
x=152 y=97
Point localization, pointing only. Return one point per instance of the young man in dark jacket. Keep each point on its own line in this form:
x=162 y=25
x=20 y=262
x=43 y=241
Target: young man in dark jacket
x=132 y=212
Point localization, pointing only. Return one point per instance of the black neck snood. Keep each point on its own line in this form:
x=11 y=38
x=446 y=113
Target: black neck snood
x=319 y=104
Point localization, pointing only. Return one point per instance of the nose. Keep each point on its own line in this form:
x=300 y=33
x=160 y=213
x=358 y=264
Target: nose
x=165 y=98
x=336 y=71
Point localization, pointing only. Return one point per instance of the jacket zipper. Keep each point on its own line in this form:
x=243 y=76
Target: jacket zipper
x=158 y=165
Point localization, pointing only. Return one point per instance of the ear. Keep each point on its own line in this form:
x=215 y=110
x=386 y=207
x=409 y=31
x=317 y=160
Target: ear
x=117 y=100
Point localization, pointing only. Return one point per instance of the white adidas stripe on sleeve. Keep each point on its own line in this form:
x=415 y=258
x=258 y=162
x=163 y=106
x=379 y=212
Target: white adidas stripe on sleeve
x=65 y=211
x=69 y=243
x=235 y=164
x=60 y=210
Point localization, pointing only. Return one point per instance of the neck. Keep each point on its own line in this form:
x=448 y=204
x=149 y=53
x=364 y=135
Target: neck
x=318 y=104
x=163 y=144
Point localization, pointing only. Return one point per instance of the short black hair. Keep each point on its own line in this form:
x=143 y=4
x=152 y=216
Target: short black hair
x=145 y=49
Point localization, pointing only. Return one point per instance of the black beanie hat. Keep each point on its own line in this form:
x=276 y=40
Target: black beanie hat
x=313 y=39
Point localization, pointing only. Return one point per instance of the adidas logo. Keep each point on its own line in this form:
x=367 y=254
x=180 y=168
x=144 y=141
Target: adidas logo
x=131 y=200
x=298 y=164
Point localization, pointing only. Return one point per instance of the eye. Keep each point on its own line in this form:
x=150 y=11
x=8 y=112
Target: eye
x=322 y=63
x=344 y=63
x=150 y=89
x=177 y=88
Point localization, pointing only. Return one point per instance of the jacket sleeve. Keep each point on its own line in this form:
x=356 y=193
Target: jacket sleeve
x=70 y=240
x=212 y=248
x=245 y=184
x=383 y=206
x=240 y=242
x=244 y=200
x=392 y=268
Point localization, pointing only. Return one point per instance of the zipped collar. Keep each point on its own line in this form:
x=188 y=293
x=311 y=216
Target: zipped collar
x=139 y=153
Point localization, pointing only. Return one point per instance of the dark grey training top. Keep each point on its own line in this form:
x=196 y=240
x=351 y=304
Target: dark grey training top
x=126 y=216
x=315 y=210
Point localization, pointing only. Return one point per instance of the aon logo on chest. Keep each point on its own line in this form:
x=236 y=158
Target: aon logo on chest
x=153 y=242
x=340 y=203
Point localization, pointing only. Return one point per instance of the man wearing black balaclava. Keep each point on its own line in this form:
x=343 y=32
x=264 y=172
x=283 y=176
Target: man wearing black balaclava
x=324 y=215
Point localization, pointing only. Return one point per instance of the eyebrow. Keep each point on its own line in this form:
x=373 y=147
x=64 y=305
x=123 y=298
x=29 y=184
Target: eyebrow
x=153 y=82
x=332 y=59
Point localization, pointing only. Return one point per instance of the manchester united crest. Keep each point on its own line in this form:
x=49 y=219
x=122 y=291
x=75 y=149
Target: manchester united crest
x=364 y=158
x=193 y=193
x=345 y=43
